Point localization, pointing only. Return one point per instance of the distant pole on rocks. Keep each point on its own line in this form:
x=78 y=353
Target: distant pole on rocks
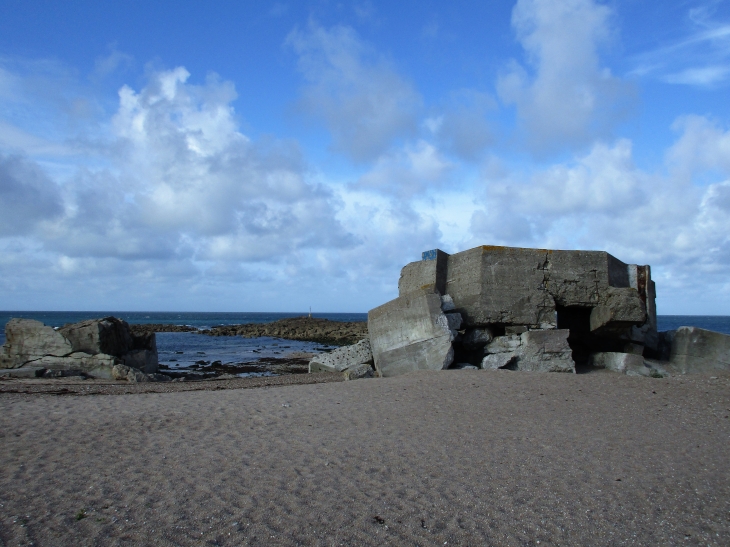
x=310 y=312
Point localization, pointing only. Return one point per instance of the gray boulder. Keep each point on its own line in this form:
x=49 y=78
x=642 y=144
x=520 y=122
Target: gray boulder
x=91 y=347
x=27 y=340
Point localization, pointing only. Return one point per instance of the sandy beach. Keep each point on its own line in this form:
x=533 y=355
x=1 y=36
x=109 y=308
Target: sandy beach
x=439 y=458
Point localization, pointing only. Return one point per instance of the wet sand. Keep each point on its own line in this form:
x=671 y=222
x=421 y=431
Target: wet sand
x=452 y=457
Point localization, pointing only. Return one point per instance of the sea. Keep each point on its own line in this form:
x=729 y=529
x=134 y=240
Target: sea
x=181 y=350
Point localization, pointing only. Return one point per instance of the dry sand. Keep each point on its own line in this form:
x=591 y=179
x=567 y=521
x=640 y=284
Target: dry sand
x=458 y=458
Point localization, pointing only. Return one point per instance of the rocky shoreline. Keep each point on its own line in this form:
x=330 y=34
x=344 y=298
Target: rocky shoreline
x=306 y=329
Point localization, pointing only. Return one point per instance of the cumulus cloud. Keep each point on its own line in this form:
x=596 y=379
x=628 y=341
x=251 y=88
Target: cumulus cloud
x=185 y=180
x=361 y=99
x=566 y=96
x=602 y=200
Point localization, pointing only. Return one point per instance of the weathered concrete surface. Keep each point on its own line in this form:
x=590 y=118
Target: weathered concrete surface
x=342 y=358
x=619 y=308
x=492 y=285
x=412 y=332
x=428 y=273
x=699 y=350
x=531 y=351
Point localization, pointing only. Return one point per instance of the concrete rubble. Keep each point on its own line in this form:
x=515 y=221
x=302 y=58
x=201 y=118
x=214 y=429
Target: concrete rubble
x=533 y=310
x=353 y=362
x=98 y=348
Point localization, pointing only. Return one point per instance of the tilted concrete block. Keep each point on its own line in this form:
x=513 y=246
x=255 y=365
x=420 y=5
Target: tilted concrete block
x=699 y=350
x=428 y=273
x=432 y=354
x=412 y=333
x=342 y=358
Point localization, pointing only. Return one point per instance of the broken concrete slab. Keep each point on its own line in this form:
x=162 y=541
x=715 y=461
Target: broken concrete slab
x=699 y=350
x=531 y=351
x=412 y=332
x=546 y=351
x=342 y=358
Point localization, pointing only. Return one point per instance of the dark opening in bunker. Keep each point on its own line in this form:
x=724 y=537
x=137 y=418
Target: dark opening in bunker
x=577 y=320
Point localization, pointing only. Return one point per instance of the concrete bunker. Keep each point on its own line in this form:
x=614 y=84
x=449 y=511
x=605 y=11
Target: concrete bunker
x=514 y=308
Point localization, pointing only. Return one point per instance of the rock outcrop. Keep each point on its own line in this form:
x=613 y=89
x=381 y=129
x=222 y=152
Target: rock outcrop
x=312 y=329
x=92 y=348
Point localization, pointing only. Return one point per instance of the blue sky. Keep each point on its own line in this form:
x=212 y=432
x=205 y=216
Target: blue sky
x=269 y=156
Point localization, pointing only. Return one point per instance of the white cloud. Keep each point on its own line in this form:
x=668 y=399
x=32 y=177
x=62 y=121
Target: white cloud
x=601 y=200
x=701 y=58
x=703 y=146
x=363 y=102
x=407 y=171
x=571 y=98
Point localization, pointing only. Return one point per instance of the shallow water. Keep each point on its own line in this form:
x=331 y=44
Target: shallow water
x=181 y=350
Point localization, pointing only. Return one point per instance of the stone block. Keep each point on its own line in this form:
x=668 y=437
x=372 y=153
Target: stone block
x=432 y=354
x=342 y=358
x=699 y=350
x=430 y=272
x=412 y=333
